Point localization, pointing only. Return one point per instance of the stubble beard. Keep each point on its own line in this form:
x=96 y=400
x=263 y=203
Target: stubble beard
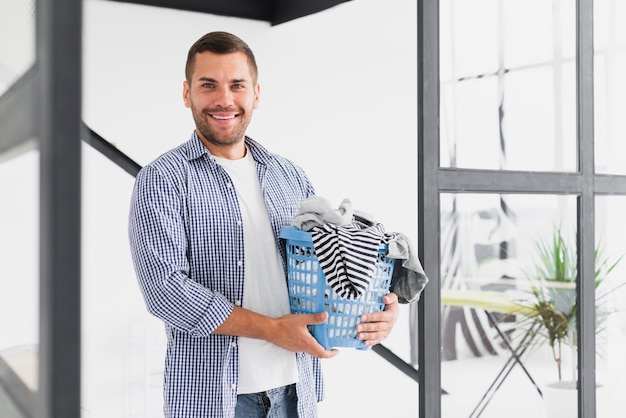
x=220 y=138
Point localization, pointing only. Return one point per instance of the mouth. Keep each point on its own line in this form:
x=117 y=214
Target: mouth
x=223 y=116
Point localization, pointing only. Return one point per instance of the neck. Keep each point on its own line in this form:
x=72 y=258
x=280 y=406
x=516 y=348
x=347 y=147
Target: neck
x=234 y=151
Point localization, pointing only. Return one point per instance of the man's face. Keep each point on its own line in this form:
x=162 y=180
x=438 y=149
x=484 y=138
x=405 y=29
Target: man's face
x=222 y=96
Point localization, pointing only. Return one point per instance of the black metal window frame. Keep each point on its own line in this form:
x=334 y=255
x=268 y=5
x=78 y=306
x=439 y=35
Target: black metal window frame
x=43 y=110
x=58 y=132
x=434 y=180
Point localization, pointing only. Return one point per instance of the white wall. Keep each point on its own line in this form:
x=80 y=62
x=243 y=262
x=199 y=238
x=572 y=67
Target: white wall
x=338 y=96
x=338 y=91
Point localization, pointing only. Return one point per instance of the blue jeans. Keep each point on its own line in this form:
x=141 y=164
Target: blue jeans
x=281 y=402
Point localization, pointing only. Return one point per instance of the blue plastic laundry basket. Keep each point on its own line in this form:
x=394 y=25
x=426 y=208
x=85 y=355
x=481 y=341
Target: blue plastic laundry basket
x=309 y=292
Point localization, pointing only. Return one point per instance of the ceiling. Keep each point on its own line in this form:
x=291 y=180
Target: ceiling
x=272 y=11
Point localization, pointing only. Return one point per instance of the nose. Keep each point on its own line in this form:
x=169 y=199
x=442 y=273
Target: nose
x=224 y=97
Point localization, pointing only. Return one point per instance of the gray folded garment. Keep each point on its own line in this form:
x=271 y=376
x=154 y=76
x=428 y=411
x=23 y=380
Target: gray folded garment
x=317 y=211
x=408 y=279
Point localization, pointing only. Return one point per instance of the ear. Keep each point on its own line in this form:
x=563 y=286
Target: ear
x=257 y=95
x=186 y=97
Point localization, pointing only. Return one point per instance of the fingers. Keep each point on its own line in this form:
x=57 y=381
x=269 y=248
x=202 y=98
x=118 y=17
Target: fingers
x=390 y=299
x=377 y=326
x=373 y=328
x=318 y=318
x=373 y=333
x=317 y=349
x=390 y=314
x=326 y=353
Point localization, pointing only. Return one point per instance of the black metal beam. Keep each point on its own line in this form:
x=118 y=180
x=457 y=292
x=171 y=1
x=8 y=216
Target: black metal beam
x=59 y=37
x=272 y=11
x=609 y=184
x=287 y=10
x=494 y=181
x=429 y=305
x=18 y=127
x=247 y=9
x=110 y=151
x=498 y=181
x=400 y=364
x=585 y=281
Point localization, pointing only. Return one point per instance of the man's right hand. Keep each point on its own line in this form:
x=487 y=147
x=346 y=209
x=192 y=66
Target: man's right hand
x=290 y=332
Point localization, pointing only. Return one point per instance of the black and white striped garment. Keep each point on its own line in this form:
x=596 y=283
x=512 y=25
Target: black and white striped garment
x=347 y=255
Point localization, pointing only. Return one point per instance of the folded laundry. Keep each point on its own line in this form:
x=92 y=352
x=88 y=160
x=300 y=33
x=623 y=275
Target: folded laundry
x=317 y=211
x=347 y=242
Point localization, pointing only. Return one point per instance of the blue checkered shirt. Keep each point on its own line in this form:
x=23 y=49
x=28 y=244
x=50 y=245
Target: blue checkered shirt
x=186 y=241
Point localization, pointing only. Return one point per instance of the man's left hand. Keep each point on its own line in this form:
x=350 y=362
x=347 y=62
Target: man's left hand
x=377 y=326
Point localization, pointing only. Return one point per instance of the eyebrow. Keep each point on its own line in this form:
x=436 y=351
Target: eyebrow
x=212 y=80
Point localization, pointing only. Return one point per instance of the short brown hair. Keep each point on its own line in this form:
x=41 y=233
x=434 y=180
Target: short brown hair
x=220 y=43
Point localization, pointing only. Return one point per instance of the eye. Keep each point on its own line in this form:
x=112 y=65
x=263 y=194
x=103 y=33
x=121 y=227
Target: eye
x=238 y=86
x=208 y=85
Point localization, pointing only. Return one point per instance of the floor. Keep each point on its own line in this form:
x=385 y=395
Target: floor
x=362 y=384
x=374 y=391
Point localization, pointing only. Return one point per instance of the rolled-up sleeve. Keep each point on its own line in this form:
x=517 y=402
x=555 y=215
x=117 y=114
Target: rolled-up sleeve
x=158 y=240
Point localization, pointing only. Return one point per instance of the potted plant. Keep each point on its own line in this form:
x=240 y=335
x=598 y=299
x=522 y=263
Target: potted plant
x=553 y=284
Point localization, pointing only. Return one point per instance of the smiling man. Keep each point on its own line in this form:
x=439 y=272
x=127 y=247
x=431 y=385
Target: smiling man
x=203 y=228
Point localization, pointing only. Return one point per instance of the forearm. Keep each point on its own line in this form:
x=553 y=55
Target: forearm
x=245 y=323
x=289 y=331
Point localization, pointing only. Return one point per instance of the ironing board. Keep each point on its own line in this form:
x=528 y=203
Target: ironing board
x=491 y=302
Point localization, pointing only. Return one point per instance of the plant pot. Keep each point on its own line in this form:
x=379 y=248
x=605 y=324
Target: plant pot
x=561 y=399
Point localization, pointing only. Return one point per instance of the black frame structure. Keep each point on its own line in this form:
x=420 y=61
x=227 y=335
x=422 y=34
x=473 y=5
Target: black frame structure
x=273 y=11
x=435 y=180
x=43 y=109
x=59 y=60
x=51 y=90
x=429 y=308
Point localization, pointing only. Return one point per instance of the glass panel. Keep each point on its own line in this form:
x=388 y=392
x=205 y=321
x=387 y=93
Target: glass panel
x=507 y=92
x=611 y=297
x=17 y=40
x=7 y=408
x=610 y=85
x=122 y=348
x=497 y=278
x=19 y=255
x=19 y=220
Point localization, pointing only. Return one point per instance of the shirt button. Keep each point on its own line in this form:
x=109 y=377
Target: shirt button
x=238 y=303
x=233 y=386
x=229 y=185
x=239 y=223
x=233 y=344
x=239 y=263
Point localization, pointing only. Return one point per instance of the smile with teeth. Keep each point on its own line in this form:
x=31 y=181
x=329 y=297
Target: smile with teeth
x=223 y=117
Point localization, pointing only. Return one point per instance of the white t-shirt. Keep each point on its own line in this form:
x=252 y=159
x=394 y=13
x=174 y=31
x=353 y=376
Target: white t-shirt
x=262 y=365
